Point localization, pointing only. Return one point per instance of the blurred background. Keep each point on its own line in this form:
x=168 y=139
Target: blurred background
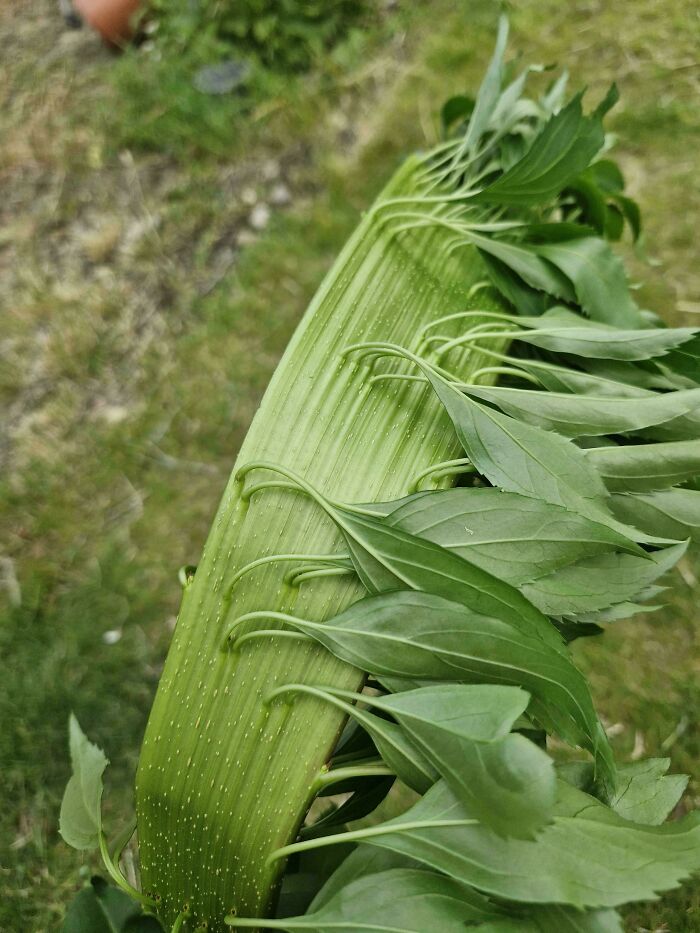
x=166 y=213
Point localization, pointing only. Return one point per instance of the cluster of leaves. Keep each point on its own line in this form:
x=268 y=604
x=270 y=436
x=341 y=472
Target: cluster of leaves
x=582 y=474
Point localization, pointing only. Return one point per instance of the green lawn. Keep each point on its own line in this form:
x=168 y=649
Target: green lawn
x=145 y=314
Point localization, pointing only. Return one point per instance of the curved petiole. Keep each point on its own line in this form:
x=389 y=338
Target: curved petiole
x=118 y=878
x=438 y=470
x=358 y=835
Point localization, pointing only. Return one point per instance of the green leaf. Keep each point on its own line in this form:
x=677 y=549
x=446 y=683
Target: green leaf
x=489 y=91
x=465 y=731
x=555 y=919
x=599 y=582
x=362 y=802
x=671 y=512
x=80 y=821
x=556 y=378
x=589 y=856
x=591 y=206
x=512 y=536
x=524 y=298
x=387 y=558
x=646 y=467
x=427 y=638
x=563 y=148
x=401 y=900
x=102 y=908
x=523 y=259
x=560 y=331
x=598 y=277
x=371 y=860
x=456 y=109
x=522 y=458
x=645 y=793
x=366 y=860
x=686 y=359
x=607 y=176
x=587 y=415
x=630 y=211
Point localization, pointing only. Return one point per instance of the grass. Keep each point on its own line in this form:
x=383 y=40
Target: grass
x=146 y=316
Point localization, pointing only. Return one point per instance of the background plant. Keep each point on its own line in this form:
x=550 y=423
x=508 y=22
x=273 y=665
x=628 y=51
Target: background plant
x=170 y=93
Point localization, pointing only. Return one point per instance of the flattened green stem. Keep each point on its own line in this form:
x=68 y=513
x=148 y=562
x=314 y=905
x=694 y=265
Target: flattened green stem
x=221 y=782
x=115 y=874
x=359 y=835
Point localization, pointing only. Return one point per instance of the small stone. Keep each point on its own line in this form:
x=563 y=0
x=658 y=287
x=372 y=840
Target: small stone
x=259 y=216
x=246 y=238
x=222 y=78
x=280 y=195
x=270 y=169
x=112 y=636
x=249 y=196
x=112 y=414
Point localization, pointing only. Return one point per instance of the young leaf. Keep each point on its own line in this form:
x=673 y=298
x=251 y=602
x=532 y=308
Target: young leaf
x=80 y=821
x=646 y=467
x=507 y=781
x=514 y=537
x=671 y=512
x=101 y=908
x=599 y=582
x=598 y=277
x=489 y=91
x=645 y=793
x=522 y=458
x=425 y=637
x=587 y=415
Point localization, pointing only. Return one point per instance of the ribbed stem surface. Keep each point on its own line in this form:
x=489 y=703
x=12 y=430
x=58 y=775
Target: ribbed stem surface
x=223 y=779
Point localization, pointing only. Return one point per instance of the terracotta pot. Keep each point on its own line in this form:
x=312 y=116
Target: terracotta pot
x=111 y=18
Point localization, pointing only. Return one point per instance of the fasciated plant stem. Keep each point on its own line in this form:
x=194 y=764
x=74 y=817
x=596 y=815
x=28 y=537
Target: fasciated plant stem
x=224 y=780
